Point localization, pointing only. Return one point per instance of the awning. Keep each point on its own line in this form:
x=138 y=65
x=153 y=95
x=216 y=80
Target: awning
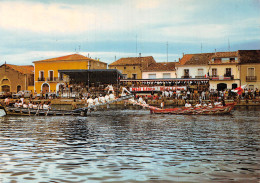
x=101 y=76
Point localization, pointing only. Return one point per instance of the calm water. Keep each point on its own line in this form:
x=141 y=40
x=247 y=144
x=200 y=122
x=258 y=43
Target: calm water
x=131 y=146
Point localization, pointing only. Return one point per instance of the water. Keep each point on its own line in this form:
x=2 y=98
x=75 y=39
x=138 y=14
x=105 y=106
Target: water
x=131 y=146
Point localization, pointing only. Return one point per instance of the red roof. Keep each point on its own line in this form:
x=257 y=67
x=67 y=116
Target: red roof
x=24 y=69
x=161 y=66
x=73 y=57
x=144 y=61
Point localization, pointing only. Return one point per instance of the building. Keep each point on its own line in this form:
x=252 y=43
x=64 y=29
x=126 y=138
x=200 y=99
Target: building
x=224 y=70
x=250 y=68
x=193 y=66
x=47 y=77
x=132 y=67
x=159 y=70
x=14 y=78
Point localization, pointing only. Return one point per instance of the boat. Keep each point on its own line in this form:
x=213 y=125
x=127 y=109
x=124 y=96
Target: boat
x=195 y=111
x=2 y=111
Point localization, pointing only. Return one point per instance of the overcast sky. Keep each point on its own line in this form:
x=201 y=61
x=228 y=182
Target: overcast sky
x=33 y=30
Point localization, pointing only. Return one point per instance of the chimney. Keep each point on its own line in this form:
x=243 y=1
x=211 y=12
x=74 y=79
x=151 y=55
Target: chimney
x=140 y=55
x=182 y=54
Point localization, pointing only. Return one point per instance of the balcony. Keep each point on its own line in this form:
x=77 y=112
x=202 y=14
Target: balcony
x=41 y=79
x=225 y=77
x=185 y=76
x=199 y=77
x=54 y=79
x=251 y=78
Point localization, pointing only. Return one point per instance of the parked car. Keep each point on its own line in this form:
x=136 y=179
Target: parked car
x=24 y=93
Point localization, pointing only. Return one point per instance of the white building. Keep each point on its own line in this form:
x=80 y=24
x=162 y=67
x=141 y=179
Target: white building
x=159 y=70
x=193 y=66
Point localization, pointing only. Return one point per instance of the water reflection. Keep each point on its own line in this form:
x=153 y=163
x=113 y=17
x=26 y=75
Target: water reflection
x=131 y=146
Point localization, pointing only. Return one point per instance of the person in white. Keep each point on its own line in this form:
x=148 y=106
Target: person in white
x=20 y=104
x=111 y=96
x=45 y=106
x=141 y=101
x=124 y=92
x=166 y=93
x=96 y=101
x=35 y=106
x=102 y=99
x=217 y=103
x=188 y=105
x=22 y=100
x=170 y=93
x=16 y=104
x=107 y=98
x=25 y=105
x=109 y=89
x=198 y=105
x=204 y=104
x=90 y=102
x=30 y=105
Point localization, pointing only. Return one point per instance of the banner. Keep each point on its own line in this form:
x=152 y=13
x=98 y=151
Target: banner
x=157 y=88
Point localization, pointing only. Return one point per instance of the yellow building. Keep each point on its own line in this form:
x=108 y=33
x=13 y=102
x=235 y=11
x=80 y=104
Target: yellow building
x=132 y=67
x=47 y=77
x=14 y=78
x=250 y=68
x=224 y=70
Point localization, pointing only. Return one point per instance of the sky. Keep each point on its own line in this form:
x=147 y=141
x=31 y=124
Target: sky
x=32 y=30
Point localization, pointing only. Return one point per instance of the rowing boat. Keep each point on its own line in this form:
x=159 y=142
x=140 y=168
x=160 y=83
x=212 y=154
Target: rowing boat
x=191 y=111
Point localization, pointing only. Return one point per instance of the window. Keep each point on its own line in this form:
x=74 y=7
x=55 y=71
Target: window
x=214 y=72
x=134 y=76
x=250 y=71
x=251 y=87
x=200 y=72
x=134 y=67
x=41 y=74
x=124 y=67
x=186 y=72
x=166 y=75
x=151 y=76
x=228 y=72
x=232 y=59
x=51 y=75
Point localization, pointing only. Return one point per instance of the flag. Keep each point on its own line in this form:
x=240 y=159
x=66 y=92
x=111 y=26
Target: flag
x=239 y=90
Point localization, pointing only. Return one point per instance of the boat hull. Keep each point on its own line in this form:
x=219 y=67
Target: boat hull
x=195 y=111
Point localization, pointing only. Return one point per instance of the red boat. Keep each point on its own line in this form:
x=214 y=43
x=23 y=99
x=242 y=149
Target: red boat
x=201 y=110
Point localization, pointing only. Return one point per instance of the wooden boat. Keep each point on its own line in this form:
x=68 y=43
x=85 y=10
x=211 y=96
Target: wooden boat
x=192 y=111
x=13 y=111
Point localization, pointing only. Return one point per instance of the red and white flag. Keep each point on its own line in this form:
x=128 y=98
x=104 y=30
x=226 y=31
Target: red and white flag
x=239 y=90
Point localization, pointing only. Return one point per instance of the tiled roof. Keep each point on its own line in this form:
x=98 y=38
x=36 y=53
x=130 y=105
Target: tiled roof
x=145 y=61
x=24 y=69
x=195 y=59
x=161 y=66
x=225 y=54
x=73 y=57
x=249 y=56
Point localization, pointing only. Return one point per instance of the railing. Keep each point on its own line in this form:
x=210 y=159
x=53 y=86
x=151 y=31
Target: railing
x=41 y=79
x=54 y=79
x=199 y=76
x=185 y=76
x=225 y=77
x=251 y=78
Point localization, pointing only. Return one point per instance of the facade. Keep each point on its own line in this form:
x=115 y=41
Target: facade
x=250 y=68
x=14 y=78
x=47 y=77
x=193 y=66
x=132 y=67
x=159 y=70
x=224 y=70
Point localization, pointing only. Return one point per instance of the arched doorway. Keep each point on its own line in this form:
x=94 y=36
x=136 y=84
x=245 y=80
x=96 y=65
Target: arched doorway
x=221 y=86
x=18 y=88
x=5 y=88
x=234 y=86
x=45 y=87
